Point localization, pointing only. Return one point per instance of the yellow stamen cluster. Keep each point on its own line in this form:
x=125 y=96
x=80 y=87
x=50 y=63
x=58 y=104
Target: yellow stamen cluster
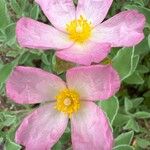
x=79 y=30
x=67 y=101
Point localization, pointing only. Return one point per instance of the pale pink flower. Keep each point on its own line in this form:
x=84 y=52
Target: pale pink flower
x=78 y=33
x=60 y=101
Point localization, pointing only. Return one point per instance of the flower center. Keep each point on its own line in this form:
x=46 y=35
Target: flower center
x=79 y=30
x=67 y=101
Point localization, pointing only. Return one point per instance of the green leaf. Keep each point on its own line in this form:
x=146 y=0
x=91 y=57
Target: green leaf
x=128 y=105
x=60 y=66
x=110 y=107
x=12 y=53
x=137 y=101
x=35 y=12
x=142 y=48
x=66 y=136
x=1 y=64
x=142 y=69
x=124 y=138
x=1 y=140
x=135 y=78
x=143 y=143
x=123 y=62
x=23 y=4
x=9 y=145
x=132 y=124
x=45 y=59
x=4 y=17
x=123 y=147
x=2 y=36
x=142 y=115
x=135 y=63
x=10 y=32
x=57 y=146
x=75 y=1
x=24 y=57
x=5 y=71
x=121 y=119
x=139 y=2
x=147 y=94
x=16 y=7
x=149 y=40
x=7 y=119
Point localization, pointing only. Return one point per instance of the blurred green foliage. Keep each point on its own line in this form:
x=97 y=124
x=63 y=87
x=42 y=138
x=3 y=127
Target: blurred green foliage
x=128 y=112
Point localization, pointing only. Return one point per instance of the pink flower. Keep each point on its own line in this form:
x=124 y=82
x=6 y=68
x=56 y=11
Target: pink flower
x=78 y=34
x=61 y=101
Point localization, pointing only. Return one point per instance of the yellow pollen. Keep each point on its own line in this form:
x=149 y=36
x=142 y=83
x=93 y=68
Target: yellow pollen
x=79 y=30
x=68 y=101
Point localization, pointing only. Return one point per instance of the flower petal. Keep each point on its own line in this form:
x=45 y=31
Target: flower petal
x=59 y=12
x=42 y=128
x=124 y=29
x=93 y=10
x=86 y=53
x=34 y=34
x=97 y=82
x=28 y=85
x=90 y=129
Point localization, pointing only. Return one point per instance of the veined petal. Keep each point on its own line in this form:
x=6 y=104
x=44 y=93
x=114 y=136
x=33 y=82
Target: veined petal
x=85 y=53
x=27 y=85
x=124 y=29
x=93 y=10
x=34 y=34
x=59 y=12
x=97 y=82
x=42 y=128
x=90 y=129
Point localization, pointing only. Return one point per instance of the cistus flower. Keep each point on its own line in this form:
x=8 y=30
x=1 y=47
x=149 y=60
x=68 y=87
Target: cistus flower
x=62 y=101
x=78 y=33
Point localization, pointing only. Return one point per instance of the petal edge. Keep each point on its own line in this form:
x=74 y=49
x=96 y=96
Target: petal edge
x=88 y=132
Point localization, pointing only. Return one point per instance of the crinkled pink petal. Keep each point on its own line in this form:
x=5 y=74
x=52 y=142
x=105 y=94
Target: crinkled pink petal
x=124 y=29
x=34 y=34
x=90 y=129
x=27 y=85
x=93 y=10
x=97 y=82
x=59 y=12
x=85 y=53
x=42 y=128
